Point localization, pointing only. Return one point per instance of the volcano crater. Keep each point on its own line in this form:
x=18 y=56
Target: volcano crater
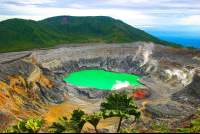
x=164 y=72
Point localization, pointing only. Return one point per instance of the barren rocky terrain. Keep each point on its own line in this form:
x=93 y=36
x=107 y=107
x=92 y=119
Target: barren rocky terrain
x=31 y=80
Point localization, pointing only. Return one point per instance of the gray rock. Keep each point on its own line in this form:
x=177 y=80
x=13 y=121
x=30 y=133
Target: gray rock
x=191 y=93
x=169 y=109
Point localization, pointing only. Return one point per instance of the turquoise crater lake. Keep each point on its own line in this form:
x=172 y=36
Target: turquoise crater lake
x=102 y=79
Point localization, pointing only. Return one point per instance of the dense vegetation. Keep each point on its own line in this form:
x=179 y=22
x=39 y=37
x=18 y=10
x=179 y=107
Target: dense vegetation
x=116 y=106
x=19 y=34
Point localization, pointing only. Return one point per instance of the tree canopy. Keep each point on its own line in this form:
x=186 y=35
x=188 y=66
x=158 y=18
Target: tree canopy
x=20 y=34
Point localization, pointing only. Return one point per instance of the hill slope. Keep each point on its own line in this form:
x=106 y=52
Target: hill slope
x=19 y=34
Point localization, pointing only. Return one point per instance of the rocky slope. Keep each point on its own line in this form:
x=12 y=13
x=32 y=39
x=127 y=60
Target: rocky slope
x=31 y=79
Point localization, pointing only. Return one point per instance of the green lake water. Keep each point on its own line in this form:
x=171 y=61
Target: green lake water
x=102 y=79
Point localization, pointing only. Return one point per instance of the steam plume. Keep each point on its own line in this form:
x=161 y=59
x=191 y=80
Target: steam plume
x=148 y=50
x=120 y=84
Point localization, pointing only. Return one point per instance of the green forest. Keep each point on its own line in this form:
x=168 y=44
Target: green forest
x=20 y=34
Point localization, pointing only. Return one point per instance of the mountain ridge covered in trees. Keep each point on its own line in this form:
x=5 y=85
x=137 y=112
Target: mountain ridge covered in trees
x=20 y=34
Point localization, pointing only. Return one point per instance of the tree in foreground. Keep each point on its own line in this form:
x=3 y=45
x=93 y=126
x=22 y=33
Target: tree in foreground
x=74 y=125
x=119 y=106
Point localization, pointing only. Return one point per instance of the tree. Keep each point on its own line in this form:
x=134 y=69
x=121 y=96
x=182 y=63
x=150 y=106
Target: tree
x=119 y=106
x=94 y=120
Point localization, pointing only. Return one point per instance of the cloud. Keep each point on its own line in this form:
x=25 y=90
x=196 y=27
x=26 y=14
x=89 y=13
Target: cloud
x=141 y=13
x=144 y=26
x=27 y=17
x=77 y=6
x=191 y=20
x=126 y=15
x=27 y=2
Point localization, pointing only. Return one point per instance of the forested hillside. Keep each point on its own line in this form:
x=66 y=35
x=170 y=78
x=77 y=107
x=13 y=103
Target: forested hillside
x=19 y=34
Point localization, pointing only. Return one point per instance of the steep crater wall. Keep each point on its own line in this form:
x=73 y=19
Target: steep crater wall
x=158 y=66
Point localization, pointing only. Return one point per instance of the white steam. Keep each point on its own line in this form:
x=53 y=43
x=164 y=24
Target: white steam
x=146 y=58
x=120 y=84
x=137 y=52
x=148 y=50
x=183 y=76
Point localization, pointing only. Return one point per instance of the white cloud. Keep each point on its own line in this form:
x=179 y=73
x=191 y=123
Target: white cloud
x=27 y=17
x=34 y=1
x=142 y=26
x=135 y=17
x=124 y=15
x=191 y=20
x=161 y=4
x=130 y=2
x=77 y=6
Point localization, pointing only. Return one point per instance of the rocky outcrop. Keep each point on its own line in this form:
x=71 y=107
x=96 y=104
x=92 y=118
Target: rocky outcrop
x=195 y=84
x=24 y=89
x=169 y=109
x=101 y=94
x=191 y=93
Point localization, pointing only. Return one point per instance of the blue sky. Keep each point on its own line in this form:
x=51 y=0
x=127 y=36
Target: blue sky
x=149 y=15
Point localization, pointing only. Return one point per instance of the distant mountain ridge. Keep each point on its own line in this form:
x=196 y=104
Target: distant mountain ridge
x=20 y=34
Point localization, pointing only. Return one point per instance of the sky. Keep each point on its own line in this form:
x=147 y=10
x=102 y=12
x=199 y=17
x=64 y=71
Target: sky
x=149 y=15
